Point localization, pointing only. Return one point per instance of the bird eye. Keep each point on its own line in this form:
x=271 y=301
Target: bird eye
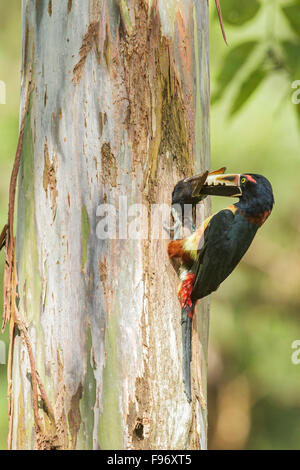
x=243 y=180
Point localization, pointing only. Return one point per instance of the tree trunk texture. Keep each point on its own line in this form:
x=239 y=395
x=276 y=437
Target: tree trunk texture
x=119 y=106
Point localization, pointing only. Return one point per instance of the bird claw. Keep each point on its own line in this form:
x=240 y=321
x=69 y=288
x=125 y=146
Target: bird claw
x=176 y=227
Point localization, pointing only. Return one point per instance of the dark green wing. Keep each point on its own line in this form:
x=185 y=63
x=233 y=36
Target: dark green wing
x=226 y=239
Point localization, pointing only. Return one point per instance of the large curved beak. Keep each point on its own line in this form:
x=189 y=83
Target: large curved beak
x=199 y=180
x=222 y=185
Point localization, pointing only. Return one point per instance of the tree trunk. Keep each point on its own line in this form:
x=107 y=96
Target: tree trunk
x=118 y=106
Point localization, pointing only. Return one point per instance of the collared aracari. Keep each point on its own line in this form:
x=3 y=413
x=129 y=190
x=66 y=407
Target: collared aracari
x=205 y=259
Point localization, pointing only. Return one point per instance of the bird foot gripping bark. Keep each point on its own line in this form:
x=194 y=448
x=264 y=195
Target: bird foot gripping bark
x=176 y=228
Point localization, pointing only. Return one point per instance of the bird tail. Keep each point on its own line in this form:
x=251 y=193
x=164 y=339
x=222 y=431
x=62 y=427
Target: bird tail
x=186 y=327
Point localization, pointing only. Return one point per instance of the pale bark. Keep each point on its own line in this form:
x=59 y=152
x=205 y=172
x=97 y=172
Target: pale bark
x=117 y=107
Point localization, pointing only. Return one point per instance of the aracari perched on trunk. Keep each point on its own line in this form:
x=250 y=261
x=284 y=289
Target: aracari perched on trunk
x=205 y=259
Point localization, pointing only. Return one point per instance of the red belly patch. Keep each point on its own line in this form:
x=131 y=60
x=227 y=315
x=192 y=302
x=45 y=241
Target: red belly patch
x=185 y=292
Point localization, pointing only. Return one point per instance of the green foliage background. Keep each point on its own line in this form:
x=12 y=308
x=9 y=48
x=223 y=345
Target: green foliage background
x=254 y=399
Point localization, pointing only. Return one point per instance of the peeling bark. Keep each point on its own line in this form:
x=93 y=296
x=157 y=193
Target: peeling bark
x=119 y=107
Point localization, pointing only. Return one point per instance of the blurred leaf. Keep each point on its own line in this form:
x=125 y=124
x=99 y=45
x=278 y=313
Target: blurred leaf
x=233 y=62
x=247 y=88
x=238 y=12
x=292 y=57
x=292 y=13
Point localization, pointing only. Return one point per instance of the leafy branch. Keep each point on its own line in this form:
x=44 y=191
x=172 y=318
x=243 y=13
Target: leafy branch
x=270 y=55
